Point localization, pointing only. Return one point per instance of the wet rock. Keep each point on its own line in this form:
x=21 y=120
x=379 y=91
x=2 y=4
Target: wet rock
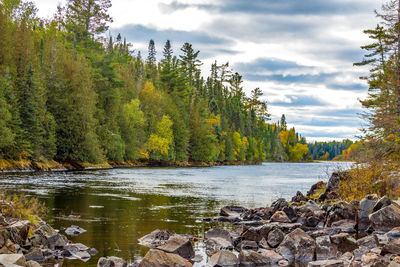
x=279 y=204
x=155 y=238
x=257 y=214
x=77 y=251
x=220 y=233
x=275 y=237
x=178 y=245
x=393 y=247
x=111 y=262
x=370 y=241
x=325 y=250
x=344 y=242
x=326 y=263
x=93 y=251
x=299 y=197
x=247 y=244
x=217 y=239
x=297 y=247
x=366 y=207
x=57 y=241
x=234 y=211
x=281 y=217
x=35 y=254
x=160 y=258
x=248 y=223
x=8 y=259
x=386 y=219
x=223 y=258
x=229 y=219
x=74 y=230
x=252 y=258
x=341 y=211
x=381 y=203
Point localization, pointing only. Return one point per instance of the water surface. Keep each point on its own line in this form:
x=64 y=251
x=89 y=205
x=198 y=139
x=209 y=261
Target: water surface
x=118 y=206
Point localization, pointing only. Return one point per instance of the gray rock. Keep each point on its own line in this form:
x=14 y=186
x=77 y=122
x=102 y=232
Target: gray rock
x=274 y=257
x=279 y=204
x=393 y=234
x=344 y=242
x=74 y=230
x=57 y=241
x=223 y=258
x=325 y=250
x=252 y=258
x=252 y=234
x=281 y=217
x=370 y=241
x=297 y=247
x=111 y=262
x=275 y=237
x=386 y=219
x=215 y=244
x=77 y=251
x=347 y=226
x=160 y=258
x=393 y=247
x=326 y=263
x=220 y=233
x=359 y=252
x=178 y=245
x=155 y=238
x=17 y=259
x=382 y=202
x=366 y=208
x=234 y=211
x=247 y=244
x=341 y=211
x=35 y=254
x=32 y=264
x=19 y=231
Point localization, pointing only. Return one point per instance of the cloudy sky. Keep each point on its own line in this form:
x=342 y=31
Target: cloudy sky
x=300 y=53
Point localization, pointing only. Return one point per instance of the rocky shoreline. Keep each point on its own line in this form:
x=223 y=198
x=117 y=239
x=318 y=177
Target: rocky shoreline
x=53 y=166
x=312 y=230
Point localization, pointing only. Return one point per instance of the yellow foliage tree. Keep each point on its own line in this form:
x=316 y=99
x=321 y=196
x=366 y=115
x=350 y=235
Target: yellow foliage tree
x=298 y=151
x=159 y=143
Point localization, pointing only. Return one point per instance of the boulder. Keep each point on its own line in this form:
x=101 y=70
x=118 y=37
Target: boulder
x=275 y=237
x=273 y=256
x=220 y=233
x=297 y=247
x=381 y=203
x=247 y=244
x=366 y=207
x=74 y=230
x=386 y=219
x=35 y=254
x=290 y=212
x=111 y=262
x=344 y=242
x=393 y=234
x=346 y=226
x=223 y=258
x=370 y=241
x=19 y=231
x=334 y=181
x=77 y=251
x=393 y=247
x=179 y=245
x=161 y=258
x=299 y=197
x=326 y=263
x=252 y=234
x=325 y=250
x=8 y=259
x=281 y=217
x=252 y=258
x=57 y=241
x=257 y=214
x=279 y=204
x=234 y=211
x=341 y=211
x=155 y=238
x=217 y=239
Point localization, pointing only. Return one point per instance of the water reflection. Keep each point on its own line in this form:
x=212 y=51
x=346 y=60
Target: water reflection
x=118 y=206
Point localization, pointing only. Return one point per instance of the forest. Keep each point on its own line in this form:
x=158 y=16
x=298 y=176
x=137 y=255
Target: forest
x=69 y=92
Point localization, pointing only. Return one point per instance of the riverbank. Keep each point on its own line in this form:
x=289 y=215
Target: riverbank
x=18 y=166
x=316 y=229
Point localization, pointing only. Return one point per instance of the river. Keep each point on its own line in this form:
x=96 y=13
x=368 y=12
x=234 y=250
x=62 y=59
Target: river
x=118 y=206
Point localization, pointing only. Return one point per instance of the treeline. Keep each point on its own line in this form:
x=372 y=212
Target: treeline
x=329 y=150
x=68 y=94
